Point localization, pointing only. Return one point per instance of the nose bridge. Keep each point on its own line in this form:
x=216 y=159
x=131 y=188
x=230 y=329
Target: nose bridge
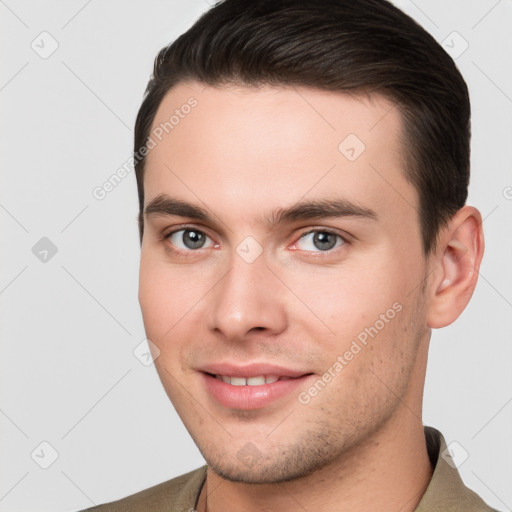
x=247 y=297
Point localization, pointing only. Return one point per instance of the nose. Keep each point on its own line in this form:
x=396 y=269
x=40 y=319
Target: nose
x=248 y=299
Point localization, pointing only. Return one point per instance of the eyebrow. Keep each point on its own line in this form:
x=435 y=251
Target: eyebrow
x=164 y=205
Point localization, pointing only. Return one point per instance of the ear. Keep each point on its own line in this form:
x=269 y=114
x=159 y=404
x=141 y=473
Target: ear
x=455 y=267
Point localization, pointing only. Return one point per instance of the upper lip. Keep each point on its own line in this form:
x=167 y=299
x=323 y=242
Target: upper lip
x=251 y=370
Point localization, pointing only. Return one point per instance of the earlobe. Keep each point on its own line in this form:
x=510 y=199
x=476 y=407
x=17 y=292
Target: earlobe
x=458 y=258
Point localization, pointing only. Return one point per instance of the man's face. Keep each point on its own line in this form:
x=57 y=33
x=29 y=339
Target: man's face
x=331 y=304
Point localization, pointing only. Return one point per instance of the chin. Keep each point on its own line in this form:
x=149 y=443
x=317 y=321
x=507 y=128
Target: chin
x=269 y=475
x=249 y=466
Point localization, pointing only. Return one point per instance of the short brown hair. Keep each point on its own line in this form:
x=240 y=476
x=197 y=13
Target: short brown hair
x=366 y=46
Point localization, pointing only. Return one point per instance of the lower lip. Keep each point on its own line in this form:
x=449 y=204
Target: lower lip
x=251 y=397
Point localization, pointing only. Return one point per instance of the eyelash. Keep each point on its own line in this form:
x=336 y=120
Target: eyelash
x=317 y=254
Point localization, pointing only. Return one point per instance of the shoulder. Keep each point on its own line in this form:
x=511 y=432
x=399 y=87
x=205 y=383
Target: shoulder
x=177 y=495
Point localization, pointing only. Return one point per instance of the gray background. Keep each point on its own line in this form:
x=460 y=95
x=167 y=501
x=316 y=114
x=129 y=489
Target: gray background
x=70 y=321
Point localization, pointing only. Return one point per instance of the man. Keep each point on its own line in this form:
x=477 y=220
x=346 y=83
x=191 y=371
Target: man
x=302 y=169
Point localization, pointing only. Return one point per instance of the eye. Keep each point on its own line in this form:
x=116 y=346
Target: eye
x=187 y=240
x=320 y=241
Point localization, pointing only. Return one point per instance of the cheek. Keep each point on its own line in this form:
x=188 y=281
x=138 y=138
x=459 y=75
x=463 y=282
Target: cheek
x=161 y=310
x=376 y=358
x=172 y=300
x=160 y=305
x=166 y=295
x=153 y=298
x=364 y=313
x=348 y=298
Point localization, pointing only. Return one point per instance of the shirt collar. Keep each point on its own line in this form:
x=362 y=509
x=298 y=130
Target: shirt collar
x=446 y=491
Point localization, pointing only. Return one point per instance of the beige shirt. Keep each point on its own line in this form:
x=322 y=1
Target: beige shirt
x=446 y=491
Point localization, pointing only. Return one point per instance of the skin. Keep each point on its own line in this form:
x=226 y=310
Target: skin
x=241 y=154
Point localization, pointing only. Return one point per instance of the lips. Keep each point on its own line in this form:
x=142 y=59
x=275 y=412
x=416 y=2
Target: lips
x=251 y=370
x=252 y=386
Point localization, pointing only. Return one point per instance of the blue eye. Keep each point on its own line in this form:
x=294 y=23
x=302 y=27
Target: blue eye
x=320 y=241
x=189 y=239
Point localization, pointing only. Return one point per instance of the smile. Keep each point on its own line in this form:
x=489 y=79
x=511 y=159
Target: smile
x=249 y=388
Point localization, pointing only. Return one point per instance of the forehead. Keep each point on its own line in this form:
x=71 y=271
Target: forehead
x=271 y=146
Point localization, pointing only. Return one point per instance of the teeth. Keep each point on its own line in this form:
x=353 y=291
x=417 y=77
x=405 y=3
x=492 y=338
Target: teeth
x=251 y=381
x=255 y=381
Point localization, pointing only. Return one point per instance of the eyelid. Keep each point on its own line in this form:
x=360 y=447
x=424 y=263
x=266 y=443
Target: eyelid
x=325 y=229
x=190 y=227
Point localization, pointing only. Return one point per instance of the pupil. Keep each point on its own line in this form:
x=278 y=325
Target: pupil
x=193 y=239
x=321 y=240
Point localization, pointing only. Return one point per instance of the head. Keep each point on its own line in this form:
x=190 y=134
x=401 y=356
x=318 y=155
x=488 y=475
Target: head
x=303 y=214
